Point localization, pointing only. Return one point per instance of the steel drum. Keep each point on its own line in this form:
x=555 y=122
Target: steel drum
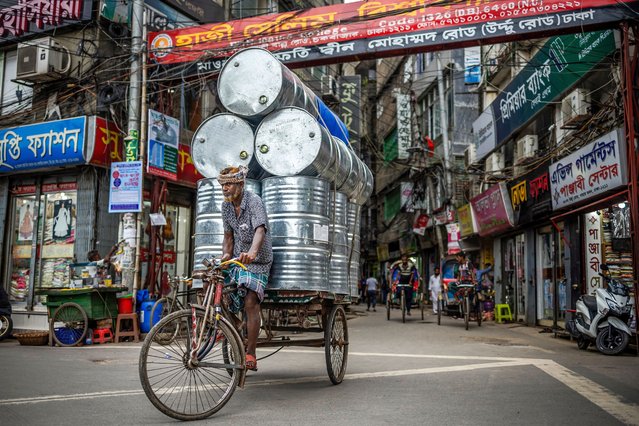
x=298 y=212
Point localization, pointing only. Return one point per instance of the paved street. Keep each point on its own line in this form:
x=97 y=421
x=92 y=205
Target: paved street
x=413 y=373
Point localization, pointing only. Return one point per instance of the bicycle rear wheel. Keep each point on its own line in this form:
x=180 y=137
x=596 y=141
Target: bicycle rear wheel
x=189 y=392
x=403 y=305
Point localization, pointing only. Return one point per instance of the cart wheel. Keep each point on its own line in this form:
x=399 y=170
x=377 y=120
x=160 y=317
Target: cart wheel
x=69 y=324
x=388 y=306
x=466 y=309
x=403 y=306
x=440 y=306
x=336 y=344
x=480 y=312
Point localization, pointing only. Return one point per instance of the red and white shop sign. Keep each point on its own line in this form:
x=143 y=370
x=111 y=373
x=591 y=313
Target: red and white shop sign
x=593 y=248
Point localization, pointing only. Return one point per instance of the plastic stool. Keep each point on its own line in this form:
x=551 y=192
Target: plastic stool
x=102 y=335
x=502 y=313
x=134 y=332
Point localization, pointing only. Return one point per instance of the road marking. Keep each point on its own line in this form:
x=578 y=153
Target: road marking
x=604 y=398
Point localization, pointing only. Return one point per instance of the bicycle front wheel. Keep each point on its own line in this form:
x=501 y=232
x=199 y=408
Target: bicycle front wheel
x=466 y=311
x=183 y=391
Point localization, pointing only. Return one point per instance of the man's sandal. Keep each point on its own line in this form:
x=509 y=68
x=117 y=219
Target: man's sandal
x=251 y=362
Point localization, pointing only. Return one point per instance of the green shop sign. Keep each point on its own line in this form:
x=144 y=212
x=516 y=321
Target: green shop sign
x=558 y=66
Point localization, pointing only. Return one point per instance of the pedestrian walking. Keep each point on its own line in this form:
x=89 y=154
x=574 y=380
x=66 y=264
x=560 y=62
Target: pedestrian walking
x=435 y=288
x=371 y=290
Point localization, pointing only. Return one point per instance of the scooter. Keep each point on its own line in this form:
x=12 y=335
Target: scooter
x=607 y=318
x=6 y=323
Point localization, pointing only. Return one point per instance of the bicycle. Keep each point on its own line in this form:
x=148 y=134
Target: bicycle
x=192 y=361
x=171 y=302
x=466 y=295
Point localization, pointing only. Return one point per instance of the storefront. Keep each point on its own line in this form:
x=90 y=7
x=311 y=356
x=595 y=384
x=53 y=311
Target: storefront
x=590 y=200
x=494 y=216
x=54 y=191
x=529 y=287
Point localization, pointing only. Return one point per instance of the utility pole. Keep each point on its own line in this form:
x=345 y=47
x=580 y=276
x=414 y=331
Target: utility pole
x=132 y=141
x=443 y=113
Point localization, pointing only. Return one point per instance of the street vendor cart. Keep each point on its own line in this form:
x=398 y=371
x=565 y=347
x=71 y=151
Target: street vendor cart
x=73 y=310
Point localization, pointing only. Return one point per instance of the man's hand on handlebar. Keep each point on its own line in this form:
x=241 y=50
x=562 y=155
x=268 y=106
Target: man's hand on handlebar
x=247 y=258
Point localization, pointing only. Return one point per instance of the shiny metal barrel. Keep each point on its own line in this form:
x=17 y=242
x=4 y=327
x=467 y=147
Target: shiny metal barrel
x=339 y=264
x=353 y=234
x=290 y=142
x=298 y=212
x=254 y=83
x=209 y=230
x=224 y=140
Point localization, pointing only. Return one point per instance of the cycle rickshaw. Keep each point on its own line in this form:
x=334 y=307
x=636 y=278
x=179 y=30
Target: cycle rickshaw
x=192 y=361
x=459 y=300
x=394 y=302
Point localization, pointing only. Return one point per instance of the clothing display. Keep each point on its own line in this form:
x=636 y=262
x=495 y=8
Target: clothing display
x=619 y=262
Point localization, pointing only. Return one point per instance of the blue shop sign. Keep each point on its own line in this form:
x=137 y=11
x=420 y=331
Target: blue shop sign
x=43 y=145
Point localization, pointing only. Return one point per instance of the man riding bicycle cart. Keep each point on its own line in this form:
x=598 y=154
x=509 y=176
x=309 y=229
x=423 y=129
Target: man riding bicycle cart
x=405 y=291
x=460 y=296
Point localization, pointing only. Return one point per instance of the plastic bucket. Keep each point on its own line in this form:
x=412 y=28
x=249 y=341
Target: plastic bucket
x=145 y=316
x=141 y=296
x=125 y=304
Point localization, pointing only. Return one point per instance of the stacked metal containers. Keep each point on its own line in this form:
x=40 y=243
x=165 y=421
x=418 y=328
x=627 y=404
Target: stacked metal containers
x=316 y=175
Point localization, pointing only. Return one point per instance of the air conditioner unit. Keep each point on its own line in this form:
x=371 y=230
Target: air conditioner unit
x=328 y=87
x=575 y=109
x=470 y=154
x=525 y=148
x=41 y=60
x=494 y=163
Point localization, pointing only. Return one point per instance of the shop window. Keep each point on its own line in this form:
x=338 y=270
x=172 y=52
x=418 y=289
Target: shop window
x=48 y=224
x=551 y=277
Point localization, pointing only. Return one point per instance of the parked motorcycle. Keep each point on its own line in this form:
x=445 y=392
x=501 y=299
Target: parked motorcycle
x=607 y=318
x=6 y=323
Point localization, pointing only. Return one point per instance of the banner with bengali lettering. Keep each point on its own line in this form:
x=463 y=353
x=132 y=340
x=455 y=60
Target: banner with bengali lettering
x=530 y=195
x=43 y=145
x=493 y=211
x=21 y=18
x=375 y=29
x=593 y=249
x=350 y=95
x=558 y=65
x=592 y=170
x=107 y=143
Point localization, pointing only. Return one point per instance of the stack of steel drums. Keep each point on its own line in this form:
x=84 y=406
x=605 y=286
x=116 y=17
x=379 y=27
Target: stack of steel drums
x=312 y=183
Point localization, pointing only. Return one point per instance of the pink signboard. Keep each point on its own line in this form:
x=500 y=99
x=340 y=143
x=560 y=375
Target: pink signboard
x=493 y=211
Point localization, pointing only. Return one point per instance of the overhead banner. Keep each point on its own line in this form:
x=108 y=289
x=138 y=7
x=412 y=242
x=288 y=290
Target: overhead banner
x=592 y=170
x=43 y=145
x=560 y=63
x=375 y=29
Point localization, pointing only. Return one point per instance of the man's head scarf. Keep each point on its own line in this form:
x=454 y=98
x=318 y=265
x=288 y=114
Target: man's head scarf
x=232 y=175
